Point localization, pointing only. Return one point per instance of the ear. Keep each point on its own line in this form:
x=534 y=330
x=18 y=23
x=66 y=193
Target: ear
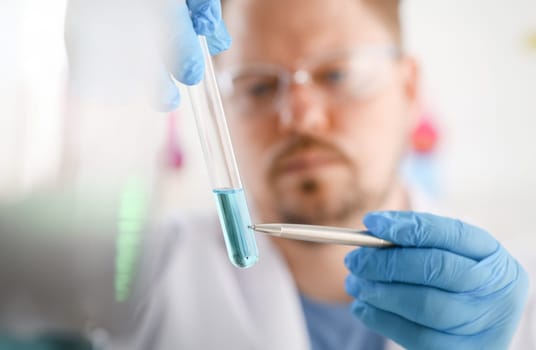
x=410 y=76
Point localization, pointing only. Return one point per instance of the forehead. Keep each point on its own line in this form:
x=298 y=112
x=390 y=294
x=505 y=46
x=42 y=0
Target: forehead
x=286 y=31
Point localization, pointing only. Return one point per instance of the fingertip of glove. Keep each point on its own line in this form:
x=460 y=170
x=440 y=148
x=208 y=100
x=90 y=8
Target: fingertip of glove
x=206 y=17
x=376 y=222
x=358 y=308
x=349 y=259
x=348 y=284
x=352 y=285
x=218 y=46
x=203 y=25
x=192 y=72
x=220 y=41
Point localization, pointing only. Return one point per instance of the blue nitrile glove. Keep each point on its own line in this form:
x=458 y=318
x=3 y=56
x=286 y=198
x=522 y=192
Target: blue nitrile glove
x=187 y=20
x=449 y=285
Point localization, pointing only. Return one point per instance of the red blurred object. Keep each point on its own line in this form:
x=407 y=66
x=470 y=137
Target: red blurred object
x=425 y=136
x=174 y=156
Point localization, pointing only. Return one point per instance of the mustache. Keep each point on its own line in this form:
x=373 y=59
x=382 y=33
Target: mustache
x=302 y=143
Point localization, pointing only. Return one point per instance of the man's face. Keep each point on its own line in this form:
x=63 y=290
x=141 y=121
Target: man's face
x=316 y=159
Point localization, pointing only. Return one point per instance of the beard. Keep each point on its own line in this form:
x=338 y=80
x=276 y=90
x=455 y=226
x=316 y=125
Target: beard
x=327 y=196
x=317 y=201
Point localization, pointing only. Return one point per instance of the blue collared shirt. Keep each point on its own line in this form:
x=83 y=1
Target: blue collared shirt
x=332 y=326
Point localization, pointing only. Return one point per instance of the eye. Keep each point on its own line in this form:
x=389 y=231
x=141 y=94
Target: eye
x=336 y=75
x=333 y=77
x=256 y=87
x=262 y=89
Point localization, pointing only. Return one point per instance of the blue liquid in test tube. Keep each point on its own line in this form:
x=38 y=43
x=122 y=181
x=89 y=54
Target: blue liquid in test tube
x=222 y=168
x=235 y=221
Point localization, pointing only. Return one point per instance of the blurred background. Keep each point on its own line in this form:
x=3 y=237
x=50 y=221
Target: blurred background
x=474 y=151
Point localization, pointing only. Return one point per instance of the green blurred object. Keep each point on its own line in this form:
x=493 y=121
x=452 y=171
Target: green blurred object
x=132 y=216
x=46 y=342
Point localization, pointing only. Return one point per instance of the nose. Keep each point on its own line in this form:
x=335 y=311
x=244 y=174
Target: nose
x=303 y=110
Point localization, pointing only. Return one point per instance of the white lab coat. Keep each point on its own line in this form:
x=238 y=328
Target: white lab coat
x=201 y=301
x=206 y=303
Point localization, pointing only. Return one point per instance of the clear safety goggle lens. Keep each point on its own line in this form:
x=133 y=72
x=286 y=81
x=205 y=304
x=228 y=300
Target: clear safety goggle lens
x=258 y=89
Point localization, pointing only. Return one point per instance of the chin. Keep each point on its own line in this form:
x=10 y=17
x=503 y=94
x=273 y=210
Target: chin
x=316 y=200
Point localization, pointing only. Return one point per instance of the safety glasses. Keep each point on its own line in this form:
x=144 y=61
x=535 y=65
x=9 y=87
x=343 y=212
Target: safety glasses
x=260 y=89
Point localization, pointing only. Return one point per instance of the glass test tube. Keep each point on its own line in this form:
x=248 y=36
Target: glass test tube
x=223 y=171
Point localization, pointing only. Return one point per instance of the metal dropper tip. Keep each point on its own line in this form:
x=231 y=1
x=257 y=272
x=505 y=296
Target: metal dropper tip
x=252 y=227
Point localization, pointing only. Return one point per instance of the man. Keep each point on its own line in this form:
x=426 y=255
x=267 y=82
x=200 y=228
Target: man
x=321 y=100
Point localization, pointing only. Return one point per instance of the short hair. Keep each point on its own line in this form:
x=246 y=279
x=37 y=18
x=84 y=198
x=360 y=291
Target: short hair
x=388 y=11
